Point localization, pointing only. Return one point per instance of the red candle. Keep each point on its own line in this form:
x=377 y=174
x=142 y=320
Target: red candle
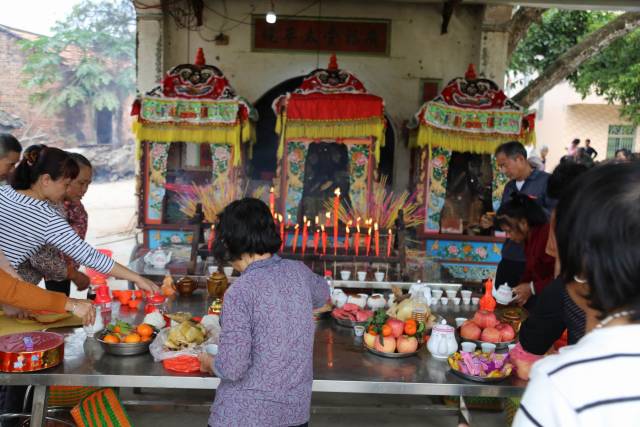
x=212 y=236
x=305 y=235
x=368 y=241
x=295 y=237
x=281 y=231
x=346 y=241
x=272 y=201
x=376 y=238
x=324 y=240
x=328 y=219
x=336 y=206
x=389 y=242
x=316 y=240
x=356 y=241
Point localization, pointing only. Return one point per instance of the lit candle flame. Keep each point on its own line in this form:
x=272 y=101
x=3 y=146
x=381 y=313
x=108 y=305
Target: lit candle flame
x=375 y=226
x=337 y=191
x=296 y=227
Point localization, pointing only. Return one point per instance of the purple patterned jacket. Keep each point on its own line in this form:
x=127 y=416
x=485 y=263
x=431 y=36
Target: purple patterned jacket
x=265 y=359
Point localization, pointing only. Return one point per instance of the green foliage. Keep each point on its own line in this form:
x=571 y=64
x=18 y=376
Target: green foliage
x=614 y=73
x=88 y=59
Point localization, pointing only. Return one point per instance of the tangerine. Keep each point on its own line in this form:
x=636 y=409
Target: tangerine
x=111 y=339
x=116 y=329
x=132 y=338
x=144 y=330
x=386 y=330
x=146 y=339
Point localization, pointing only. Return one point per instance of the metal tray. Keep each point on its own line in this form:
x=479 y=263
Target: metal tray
x=392 y=355
x=499 y=345
x=123 y=349
x=348 y=323
x=475 y=378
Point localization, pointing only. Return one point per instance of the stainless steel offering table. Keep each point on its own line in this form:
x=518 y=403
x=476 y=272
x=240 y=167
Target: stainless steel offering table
x=341 y=365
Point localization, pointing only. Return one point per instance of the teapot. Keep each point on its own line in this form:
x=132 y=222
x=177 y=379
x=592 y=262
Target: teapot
x=186 y=286
x=360 y=300
x=442 y=343
x=338 y=298
x=158 y=258
x=503 y=294
x=376 y=301
x=217 y=284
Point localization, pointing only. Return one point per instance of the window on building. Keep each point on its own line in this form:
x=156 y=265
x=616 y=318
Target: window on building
x=620 y=136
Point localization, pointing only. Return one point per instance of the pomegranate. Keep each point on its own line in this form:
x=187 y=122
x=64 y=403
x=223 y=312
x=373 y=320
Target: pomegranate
x=485 y=319
x=397 y=327
x=490 y=335
x=388 y=345
x=369 y=340
x=407 y=344
x=506 y=332
x=470 y=331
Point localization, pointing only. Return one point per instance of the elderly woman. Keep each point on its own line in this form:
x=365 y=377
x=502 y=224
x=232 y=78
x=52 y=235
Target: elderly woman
x=265 y=359
x=10 y=150
x=593 y=383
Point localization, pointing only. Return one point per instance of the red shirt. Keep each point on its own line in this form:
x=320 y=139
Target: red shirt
x=539 y=268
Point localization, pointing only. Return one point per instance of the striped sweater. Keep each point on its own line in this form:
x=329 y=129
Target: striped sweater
x=26 y=224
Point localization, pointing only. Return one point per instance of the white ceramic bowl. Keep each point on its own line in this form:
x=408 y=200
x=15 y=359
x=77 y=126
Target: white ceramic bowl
x=475 y=300
x=212 y=269
x=456 y=301
x=466 y=301
x=469 y=347
x=460 y=321
x=379 y=276
x=465 y=294
x=444 y=300
x=451 y=294
x=488 y=347
x=359 y=330
x=345 y=274
x=362 y=276
x=228 y=271
x=436 y=293
x=212 y=349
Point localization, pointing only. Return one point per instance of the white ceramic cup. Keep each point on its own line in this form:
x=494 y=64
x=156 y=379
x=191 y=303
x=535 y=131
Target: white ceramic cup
x=456 y=301
x=359 y=330
x=212 y=349
x=468 y=347
x=475 y=300
x=362 y=276
x=465 y=294
x=488 y=347
x=212 y=269
x=511 y=346
x=451 y=294
x=436 y=293
x=444 y=300
x=379 y=276
x=460 y=321
x=466 y=301
x=434 y=301
x=228 y=271
x=345 y=274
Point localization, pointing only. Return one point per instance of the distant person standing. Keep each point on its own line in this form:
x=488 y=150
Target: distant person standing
x=544 y=152
x=572 y=149
x=589 y=150
x=623 y=155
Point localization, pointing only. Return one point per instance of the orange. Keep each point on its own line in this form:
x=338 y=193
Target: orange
x=144 y=330
x=111 y=339
x=146 y=339
x=132 y=338
x=116 y=329
x=386 y=330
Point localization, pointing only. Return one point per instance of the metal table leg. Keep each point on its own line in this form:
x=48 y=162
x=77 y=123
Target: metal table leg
x=39 y=406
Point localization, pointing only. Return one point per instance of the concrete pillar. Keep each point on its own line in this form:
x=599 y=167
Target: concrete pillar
x=494 y=42
x=149 y=48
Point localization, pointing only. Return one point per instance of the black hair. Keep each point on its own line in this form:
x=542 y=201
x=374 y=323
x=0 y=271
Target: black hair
x=627 y=154
x=521 y=206
x=80 y=160
x=41 y=160
x=576 y=141
x=562 y=177
x=9 y=144
x=598 y=230
x=512 y=150
x=245 y=227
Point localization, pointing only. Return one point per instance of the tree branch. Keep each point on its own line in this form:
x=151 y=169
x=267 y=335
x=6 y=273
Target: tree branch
x=519 y=25
x=568 y=62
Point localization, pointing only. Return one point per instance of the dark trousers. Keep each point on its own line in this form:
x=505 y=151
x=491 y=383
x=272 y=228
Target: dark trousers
x=63 y=286
x=12 y=401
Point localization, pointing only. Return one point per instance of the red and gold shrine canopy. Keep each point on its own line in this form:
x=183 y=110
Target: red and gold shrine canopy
x=195 y=104
x=473 y=114
x=330 y=104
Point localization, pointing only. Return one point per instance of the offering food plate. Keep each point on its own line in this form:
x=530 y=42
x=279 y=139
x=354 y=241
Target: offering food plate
x=392 y=355
x=486 y=380
x=123 y=349
x=500 y=346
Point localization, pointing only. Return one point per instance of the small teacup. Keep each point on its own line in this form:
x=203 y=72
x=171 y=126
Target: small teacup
x=362 y=276
x=456 y=301
x=359 y=330
x=488 y=347
x=212 y=349
x=511 y=346
x=466 y=301
x=212 y=269
x=345 y=274
x=475 y=300
x=466 y=294
x=444 y=300
x=460 y=321
x=436 y=293
x=451 y=294
x=468 y=347
x=379 y=276
x=228 y=271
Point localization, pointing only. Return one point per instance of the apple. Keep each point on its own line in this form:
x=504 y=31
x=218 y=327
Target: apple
x=369 y=340
x=470 y=331
x=506 y=332
x=397 y=327
x=387 y=346
x=485 y=319
x=490 y=335
x=407 y=344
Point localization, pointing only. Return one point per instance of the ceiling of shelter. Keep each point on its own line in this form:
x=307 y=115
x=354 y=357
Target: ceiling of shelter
x=630 y=5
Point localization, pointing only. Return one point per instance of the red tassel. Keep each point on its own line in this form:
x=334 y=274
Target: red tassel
x=200 y=57
x=333 y=62
x=471 y=73
x=135 y=108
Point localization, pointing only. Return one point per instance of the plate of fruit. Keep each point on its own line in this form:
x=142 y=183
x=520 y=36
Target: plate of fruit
x=124 y=339
x=481 y=367
x=390 y=337
x=485 y=327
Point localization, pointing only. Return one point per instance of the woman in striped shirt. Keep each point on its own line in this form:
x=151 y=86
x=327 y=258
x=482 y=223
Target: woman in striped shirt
x=27 y=222
x=594 y=382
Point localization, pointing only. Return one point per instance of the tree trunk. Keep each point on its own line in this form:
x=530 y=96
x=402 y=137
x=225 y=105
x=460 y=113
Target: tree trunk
x=568 y=62
x=524 y=18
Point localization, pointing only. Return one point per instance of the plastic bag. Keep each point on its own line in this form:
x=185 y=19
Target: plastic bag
x=160 y=353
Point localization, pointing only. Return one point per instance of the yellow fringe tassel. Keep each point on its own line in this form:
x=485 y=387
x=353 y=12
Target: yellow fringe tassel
x=466 y=142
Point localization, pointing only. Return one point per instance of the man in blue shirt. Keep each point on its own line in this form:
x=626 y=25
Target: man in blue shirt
x=511 y=157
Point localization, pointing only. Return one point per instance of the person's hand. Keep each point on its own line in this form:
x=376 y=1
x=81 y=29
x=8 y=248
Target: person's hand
x=486 y=221
x=14 y=312
x=206 y=362
x=83 y=309
x=522 y=293
x=146 y=285
x=81 y=280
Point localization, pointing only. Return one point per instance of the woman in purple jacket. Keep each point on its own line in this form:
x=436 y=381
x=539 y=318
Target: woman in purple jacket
x=265 y=359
